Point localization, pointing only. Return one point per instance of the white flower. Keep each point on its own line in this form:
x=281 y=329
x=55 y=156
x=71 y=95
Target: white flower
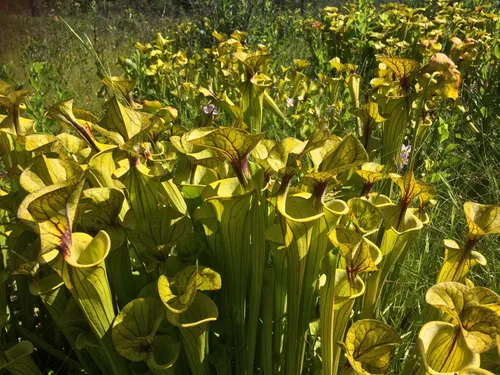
x=289 y=102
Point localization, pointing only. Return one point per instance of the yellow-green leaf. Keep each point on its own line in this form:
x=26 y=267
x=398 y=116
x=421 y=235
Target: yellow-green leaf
x=174 y=196
x=48 y=171
x=397 y=111
x=261 y=154
x=102 y=168
x=486 y=297
x=63 y=111
x=452 y=298
x=349 y=153
x=135 y=327
x=285 y=153
x=84 y=274
x=53 y=208
x=403 y=68
x=208 y=279
x=178 y=296
x=201 y=310
x=318 y=139
x=458 y=262
x=339 y=291
x=269 y=101
x=482 y=219
x=164 y=228
x=372 y=172
x=443 y=349
x=410 y=187
x=143 y=190
x=120 y=85
x=481 y=326
x=364 y=215
x=399 y=219
x=128 y=122
x=236 y=144
x=360 y=254
x=99 y=209
x=34 y=142
x=368 y=345
x=369 y=115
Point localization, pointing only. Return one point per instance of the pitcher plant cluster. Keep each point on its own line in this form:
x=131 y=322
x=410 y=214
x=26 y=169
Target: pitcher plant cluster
x=343 y=41
x=211 y=246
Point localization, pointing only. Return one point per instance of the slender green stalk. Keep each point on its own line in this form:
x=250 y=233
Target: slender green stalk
x=88 y=46
x=257 y=219
x=267 y=321
x=327 y=313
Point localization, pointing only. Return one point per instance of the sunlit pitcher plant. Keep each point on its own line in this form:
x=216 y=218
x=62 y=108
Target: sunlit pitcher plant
x=160 y=249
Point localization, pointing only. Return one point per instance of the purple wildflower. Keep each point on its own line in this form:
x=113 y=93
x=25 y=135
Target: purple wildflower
x=211 y=109
x=404 y=156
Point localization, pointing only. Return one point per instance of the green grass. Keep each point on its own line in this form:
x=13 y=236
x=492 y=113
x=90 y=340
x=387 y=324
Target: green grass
x=69 y=64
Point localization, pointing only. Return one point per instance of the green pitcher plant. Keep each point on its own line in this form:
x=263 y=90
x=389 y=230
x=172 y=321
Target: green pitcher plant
x=471 y=327
x=181 y=234
x=482 y=220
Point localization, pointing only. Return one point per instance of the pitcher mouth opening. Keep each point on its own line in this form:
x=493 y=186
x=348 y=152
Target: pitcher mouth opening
x=88 y=252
